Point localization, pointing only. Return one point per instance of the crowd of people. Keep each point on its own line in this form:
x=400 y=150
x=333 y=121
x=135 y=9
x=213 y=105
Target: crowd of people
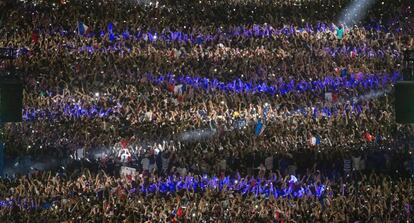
x=264 y=110
x=96 y=197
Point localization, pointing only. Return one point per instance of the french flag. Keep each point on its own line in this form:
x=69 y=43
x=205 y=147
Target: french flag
x=83 y=29
x=314 y=140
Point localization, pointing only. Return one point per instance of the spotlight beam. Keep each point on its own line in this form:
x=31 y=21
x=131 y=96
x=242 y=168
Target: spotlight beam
x=355 y=12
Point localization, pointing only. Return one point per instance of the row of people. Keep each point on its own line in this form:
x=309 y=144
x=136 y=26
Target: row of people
x=87 y=197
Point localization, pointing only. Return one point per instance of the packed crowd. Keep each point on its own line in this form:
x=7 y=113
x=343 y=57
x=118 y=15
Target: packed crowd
x=258 y=92
x=89 y=197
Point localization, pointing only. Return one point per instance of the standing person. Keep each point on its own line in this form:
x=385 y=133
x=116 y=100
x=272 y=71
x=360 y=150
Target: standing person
x=340 y=32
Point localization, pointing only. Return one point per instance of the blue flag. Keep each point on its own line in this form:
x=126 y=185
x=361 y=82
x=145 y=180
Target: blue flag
x=111 y=32
x=259 y=127
x=110 y=27
x=125 y=34
x=111 y=37
x=83 y=29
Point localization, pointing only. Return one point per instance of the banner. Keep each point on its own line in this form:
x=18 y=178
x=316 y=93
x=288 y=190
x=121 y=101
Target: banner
x=127 y=171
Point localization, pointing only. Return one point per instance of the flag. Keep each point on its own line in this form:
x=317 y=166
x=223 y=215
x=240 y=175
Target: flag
x=110 y=31
x=35 y=37
x=331 y=97
x=124 y=143
x=344 y=72
x=314 y=140
x=110 y=27
x=265 y=111
x=125 y=35
x=378 y=138
x=199 y=40
x=178 y=89
x=170 y=87
x=174 y=36
x=83 y=29
x=335 y=97
x=180 y=98
x=151 y=37
x=318 y=140
x=354 y=53
x=213 y=125
x=111 y=37
x=260 y=127
x=293 y=179
x=368 y=137
x=180 y=212
x=124 y=155
x=328 y=96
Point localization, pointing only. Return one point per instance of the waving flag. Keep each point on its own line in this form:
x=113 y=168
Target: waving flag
x=111 y=32
x=83 y=29
x=314 y=141
x=110 y=27
x=124 y=143
x=213 y=125
x=368 y=137
x=35 y=37
x=265 y=111
x=125 y=34
x=260 y=127
x=331 y=97
x=293 y=179
x=178 y=89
